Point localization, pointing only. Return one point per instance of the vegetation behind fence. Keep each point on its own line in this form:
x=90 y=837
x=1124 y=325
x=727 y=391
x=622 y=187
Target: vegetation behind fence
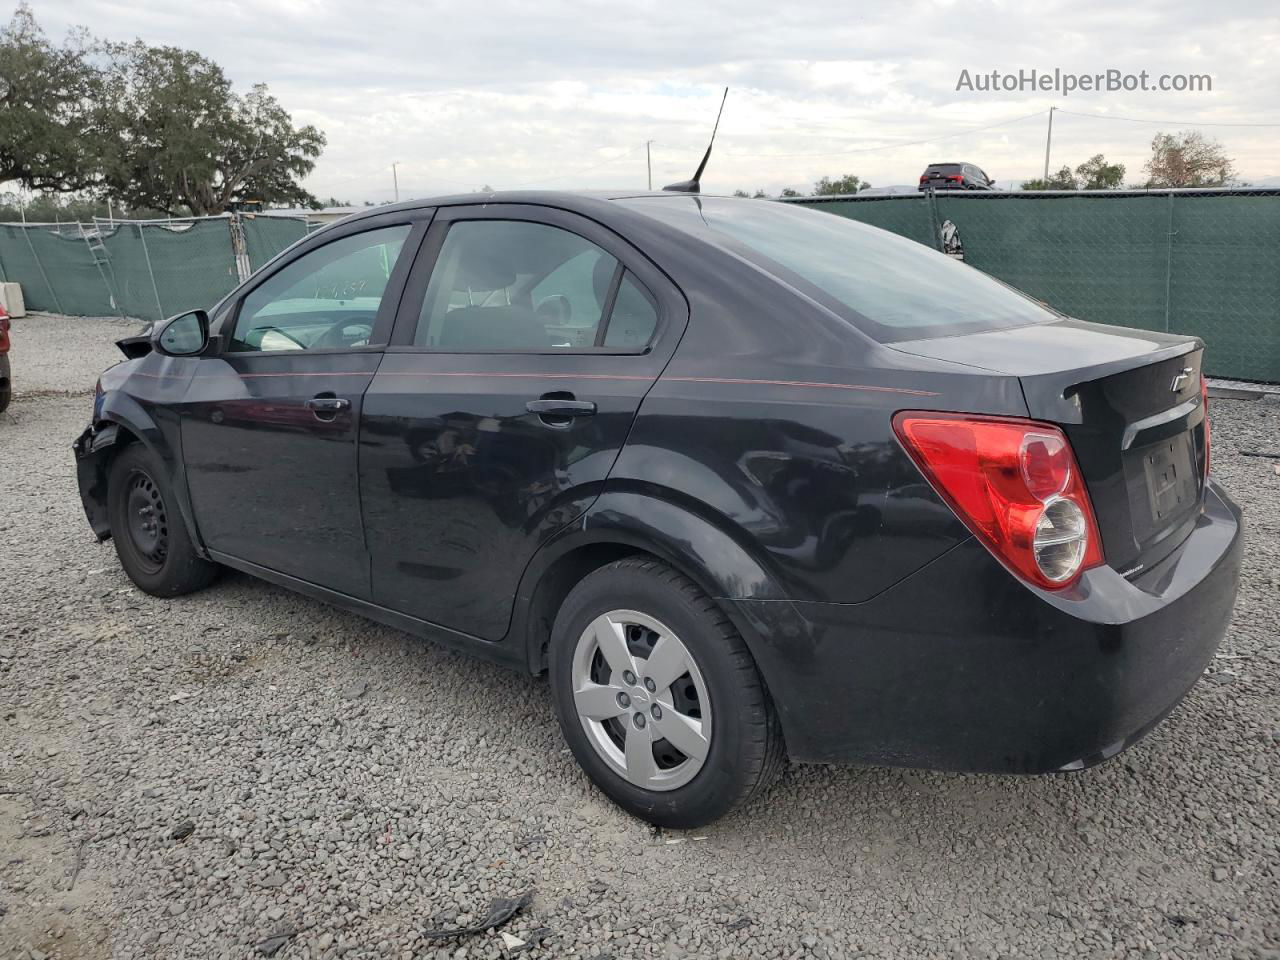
x=149 y=269
x=1203 y=262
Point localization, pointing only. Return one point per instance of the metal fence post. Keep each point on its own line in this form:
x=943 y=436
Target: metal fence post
x=935 y=224
x=239 y=247
x=40 y=266
x=1168 y=264
x=151 y=273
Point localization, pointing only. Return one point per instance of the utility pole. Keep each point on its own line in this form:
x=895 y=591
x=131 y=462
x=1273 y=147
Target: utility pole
x=648 y=162
x=1047 y=141
x=395 y=180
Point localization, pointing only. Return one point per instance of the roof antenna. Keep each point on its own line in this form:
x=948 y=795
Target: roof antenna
x=695 y=185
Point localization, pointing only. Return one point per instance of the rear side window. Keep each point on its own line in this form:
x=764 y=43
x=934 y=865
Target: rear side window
x=634 y=316
x=511 y=285
x=888 y=286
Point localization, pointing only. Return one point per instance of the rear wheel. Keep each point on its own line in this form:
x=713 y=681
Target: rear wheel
x=150 y=536
x=658 y=697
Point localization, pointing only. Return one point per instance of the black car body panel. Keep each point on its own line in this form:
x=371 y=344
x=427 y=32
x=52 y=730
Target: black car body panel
x=750 y=445
x=988 y=675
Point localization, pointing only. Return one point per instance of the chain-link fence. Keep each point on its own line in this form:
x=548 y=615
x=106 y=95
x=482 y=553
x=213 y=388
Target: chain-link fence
x=1203 y=262
x=148 y=269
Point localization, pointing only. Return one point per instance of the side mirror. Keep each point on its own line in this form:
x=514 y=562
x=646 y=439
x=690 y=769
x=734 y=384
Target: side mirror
x=185 y=335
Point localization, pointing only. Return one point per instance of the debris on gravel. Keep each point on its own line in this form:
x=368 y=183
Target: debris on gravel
x=246 y=772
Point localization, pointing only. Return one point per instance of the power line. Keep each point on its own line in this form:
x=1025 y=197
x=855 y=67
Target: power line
x=891 y=146
x=1167 y=123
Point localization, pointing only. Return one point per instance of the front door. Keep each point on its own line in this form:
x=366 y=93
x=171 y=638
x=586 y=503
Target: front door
x=526 y=339
x=269 y=423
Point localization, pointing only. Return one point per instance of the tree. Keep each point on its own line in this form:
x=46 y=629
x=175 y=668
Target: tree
x=1187 y=159
x=741 y=193
x=148 y=127
x=788 y=192
x=52 y=111
x=1064 y=179
x=187 y=141
x=846 y=184
x=1096 y=174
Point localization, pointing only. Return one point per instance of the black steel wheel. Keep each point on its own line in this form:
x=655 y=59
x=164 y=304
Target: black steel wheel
x=150 y=536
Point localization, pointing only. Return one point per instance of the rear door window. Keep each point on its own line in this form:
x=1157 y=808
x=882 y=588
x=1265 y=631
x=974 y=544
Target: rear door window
x=520 y=286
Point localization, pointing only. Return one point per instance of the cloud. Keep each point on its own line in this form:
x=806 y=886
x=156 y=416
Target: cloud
x=565 y=94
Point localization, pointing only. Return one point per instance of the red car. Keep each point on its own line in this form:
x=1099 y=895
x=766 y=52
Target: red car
x=6 y=383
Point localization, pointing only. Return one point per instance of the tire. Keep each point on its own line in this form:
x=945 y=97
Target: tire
x=718 y=707
x=154 y=547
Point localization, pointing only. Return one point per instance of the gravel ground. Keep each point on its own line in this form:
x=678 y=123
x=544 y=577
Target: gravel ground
x=188 y=778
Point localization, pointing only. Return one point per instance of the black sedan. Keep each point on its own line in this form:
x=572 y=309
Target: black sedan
x=746 y=479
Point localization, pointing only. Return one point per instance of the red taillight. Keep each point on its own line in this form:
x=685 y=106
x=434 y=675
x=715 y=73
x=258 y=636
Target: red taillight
x=1204 y=405
x=1015 y=484
x=924 y=177
x=4 y=331
x=959 y=179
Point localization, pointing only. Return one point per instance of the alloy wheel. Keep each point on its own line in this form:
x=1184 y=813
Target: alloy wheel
x=641 y=700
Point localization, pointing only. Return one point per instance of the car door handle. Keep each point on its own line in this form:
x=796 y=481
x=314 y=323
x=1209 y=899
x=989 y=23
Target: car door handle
x=327 y=407
x=561 y=408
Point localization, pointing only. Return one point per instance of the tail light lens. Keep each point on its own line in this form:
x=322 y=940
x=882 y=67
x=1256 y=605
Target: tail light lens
x=4 y=332
x=1015 y=484
x=1204 y=405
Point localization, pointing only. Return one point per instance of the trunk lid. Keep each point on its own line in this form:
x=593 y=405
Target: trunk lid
x=1130 y=403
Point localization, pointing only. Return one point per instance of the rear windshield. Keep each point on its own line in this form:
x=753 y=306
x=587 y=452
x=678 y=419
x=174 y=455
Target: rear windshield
x=888 y=286
x=949 y=168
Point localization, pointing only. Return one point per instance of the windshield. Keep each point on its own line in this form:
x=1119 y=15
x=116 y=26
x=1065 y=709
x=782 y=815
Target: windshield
x=890 y=287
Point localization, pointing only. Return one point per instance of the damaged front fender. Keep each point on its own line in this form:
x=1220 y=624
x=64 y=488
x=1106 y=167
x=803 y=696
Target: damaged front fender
x=93 y=461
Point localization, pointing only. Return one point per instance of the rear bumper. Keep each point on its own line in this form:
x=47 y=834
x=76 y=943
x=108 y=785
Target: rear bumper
x=962 y=667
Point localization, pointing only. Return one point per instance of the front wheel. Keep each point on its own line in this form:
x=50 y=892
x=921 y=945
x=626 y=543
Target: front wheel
x=150 y=536
x=659 y=698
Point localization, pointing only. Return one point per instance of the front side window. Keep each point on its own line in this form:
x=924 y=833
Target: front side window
x=513 y=285
x=326 y=299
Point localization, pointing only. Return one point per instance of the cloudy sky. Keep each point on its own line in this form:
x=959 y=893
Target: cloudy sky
x=554 y=94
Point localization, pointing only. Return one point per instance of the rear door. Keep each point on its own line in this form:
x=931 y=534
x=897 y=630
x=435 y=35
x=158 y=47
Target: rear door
x=269 y=422
x=526 y=339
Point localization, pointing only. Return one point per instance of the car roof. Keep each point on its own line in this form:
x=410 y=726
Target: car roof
x=577 y=201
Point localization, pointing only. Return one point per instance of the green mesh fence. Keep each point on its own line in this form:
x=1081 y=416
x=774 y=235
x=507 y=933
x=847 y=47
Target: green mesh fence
x=144 y=269
x=1198 y=262
x=266 y=236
